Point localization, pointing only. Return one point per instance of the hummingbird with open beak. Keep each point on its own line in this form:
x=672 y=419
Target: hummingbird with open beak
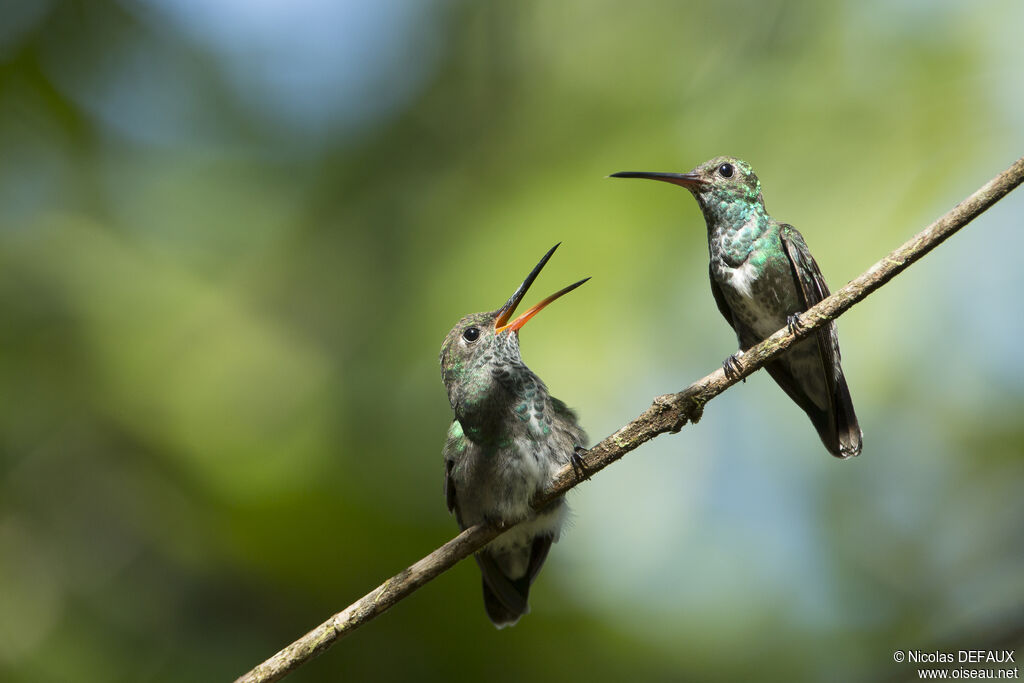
x=762 y=277
x=508 y=439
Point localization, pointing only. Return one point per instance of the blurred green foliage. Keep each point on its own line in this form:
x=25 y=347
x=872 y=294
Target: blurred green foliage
x=233 y=236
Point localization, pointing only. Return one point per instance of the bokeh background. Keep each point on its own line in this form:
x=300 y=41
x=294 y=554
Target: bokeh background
x=233 y=235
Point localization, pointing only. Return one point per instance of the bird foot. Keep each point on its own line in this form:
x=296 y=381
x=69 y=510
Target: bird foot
x=577 y=463
x=731 y=366
x=793 y=324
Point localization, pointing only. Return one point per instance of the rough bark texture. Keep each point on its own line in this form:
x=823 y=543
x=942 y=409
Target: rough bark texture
x=668 y=413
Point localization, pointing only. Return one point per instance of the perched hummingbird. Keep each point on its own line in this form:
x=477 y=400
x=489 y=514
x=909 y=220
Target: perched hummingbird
x=763 y=276
x=508 y=439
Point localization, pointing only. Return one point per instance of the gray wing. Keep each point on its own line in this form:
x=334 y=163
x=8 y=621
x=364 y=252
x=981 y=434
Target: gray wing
x=812 y=288
x=451 y=449
x=567 y=417
x=839 y=428
x=449 y=485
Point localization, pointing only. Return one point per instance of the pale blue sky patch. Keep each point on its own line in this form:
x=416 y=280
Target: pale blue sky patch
x=314 y=67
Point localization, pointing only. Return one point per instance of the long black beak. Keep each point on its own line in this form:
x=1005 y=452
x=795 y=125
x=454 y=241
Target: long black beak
x=687 y=180
x=505 y=312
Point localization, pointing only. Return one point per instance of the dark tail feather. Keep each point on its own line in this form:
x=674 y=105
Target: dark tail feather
x=500 y=615
x=837 y=428
x=505 y=599
x=849 y=438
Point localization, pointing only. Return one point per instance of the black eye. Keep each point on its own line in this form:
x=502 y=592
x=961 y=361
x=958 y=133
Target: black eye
x=471 y=334
x=725 y=170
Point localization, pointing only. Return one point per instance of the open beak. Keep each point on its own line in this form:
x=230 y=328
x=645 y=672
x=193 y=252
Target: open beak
x=690 y=181
x=501 y=323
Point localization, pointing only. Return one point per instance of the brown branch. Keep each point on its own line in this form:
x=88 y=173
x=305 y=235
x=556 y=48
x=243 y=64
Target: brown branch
x=667 y=413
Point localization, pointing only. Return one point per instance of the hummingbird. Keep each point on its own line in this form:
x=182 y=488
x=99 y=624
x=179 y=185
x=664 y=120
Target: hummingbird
x=508 y=439
x=762 y=277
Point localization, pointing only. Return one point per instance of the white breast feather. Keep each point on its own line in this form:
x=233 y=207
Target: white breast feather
x=741 y=280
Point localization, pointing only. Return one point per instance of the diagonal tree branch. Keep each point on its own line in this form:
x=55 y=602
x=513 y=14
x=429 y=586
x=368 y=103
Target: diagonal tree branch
x=668 y=413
